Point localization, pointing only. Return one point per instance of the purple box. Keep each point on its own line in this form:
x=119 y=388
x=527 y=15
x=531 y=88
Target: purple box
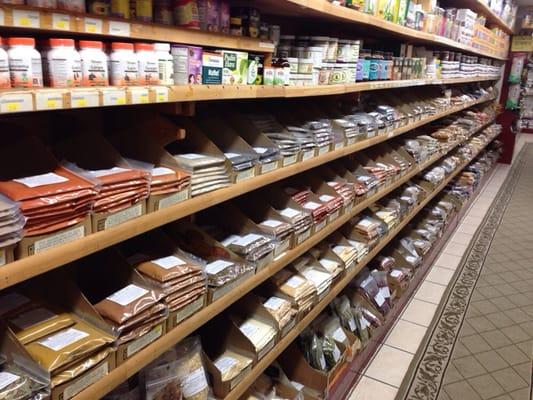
x=187 y=65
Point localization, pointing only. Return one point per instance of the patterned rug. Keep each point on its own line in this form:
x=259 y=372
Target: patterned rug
x=479 y=343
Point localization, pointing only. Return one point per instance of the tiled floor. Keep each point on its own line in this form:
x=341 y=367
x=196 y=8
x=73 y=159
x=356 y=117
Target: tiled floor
x=490 y=360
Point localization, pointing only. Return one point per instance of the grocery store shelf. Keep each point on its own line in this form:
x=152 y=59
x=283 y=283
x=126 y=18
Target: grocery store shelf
x=65 y=22
x=145 y=356
x=480 y=7
x=273 y=354
x=326 y=10
x=26 y=268
x=29 y=100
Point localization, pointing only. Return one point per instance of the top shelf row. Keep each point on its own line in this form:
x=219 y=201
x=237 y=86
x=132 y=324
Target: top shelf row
x=58 y=21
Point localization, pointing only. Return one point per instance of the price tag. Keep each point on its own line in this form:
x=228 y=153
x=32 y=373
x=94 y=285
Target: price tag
x=139 y=95
x=93 y=25
x=26 y=19
x=48 y=100
x=114 y=97
x=2 y=17
x=84 y=99
x=16 y=102
x=61 y=22
x=161 y=94
x=266 y=45
x=119 y=28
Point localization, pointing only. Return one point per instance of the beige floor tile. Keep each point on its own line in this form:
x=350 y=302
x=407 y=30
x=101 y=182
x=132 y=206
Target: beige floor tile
x=469 y=367
x=440 y=275
x=509 y=379
x=419 y=312
x=430 y=292
x=521 y=394
x=461 y=391
x=461 y=238
x=370 y=389
x=513 y=355
x=486 y=386
x=406 y=336
x=455 y=249
x=496 y=339
x=389 y=365
x=448 y=261
x=491 y=360
x=468 y=229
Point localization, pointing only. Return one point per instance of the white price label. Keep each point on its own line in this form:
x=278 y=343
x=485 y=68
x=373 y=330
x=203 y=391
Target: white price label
x=127 y=295
x=114 y=97
x=217 y=266
x=16 y=102
x=93 y=25
x=48 y=100
x=61 y=22
x=84 y=99
x=26 y=19
x=169 y=262
x=139 y=96
x=41 y=180
x=63 y=339
x=161 y=94
x=119 y=28
x=2 y=17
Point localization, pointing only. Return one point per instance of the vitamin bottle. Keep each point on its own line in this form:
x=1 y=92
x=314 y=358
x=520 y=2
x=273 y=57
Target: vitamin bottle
x=25 y=65
x=4 y=69
x=165 y=63
x=120 y=8
x=141 y=10
x=93 y=64
x=124 y=65
x=148 y=71
x=60 y=63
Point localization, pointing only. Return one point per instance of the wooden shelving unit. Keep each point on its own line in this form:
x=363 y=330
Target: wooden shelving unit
x=107 y=28
x=30 y=100
x=26 y=268
x=326 y=10
x=145 y=356
x=482 y=8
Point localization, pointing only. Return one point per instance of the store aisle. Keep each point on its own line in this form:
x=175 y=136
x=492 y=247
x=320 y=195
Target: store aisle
x=468 y=332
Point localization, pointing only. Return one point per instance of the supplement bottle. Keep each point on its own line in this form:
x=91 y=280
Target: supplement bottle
x=141 y=10
x=93 y=64
x=60 y=63
x=124 y=65
x=72 y=5
x=24 y=63
x=165 y=63
x=5 y=82
x=148 y=71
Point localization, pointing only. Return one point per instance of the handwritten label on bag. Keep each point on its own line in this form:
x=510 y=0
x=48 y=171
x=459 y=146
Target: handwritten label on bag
x=169 y=262
x=41 y=180
x=216 y=266
x=271 y=223
x=274 y=303
x=194 y=383
x=127 y=295
x=7 y=378
x=225 y=363
x=63 y=339
x=159 y=171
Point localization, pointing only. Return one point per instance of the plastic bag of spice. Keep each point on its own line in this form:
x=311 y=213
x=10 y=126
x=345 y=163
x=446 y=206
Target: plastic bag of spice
x=191 y=370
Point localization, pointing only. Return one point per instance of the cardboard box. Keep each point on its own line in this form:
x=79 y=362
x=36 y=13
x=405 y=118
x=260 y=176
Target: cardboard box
x=194 y=240
x=212 y=65
x=178 y=316
x=229 y=142
x=235 y=67
x=222 y=336
x=31 y=245
x=103 y=221
x=7 y=255
x=132 y=347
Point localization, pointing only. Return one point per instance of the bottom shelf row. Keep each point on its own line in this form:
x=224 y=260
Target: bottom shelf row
x=285 y=340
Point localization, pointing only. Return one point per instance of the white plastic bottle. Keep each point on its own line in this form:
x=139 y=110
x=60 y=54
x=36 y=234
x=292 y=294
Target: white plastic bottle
x=25 y=65
x=60 y=63
x=124 y=65
x=93 y=64
x=5 y=81
x=148 y=71
x=165 y=63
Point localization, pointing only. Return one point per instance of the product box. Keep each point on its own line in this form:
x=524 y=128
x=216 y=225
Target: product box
x=229 y=216
x=253 y=309
x=256 y=65
x=253 y=302
x=31 y=245
x=223 y=341
x=286 y=207
x=323 y=254
x=231 y=144
x=315 y=383
x=339 y=241
x=56 y=290
x=187 y=64
x=262 y=211
x=235 y=69
x=104 y=221
x=120 y=275
x=152 y=156
x=212 y=66
x=177 y=317
x=7 y=255
x=194 y=240
x=254 y=137
x=324 y=192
